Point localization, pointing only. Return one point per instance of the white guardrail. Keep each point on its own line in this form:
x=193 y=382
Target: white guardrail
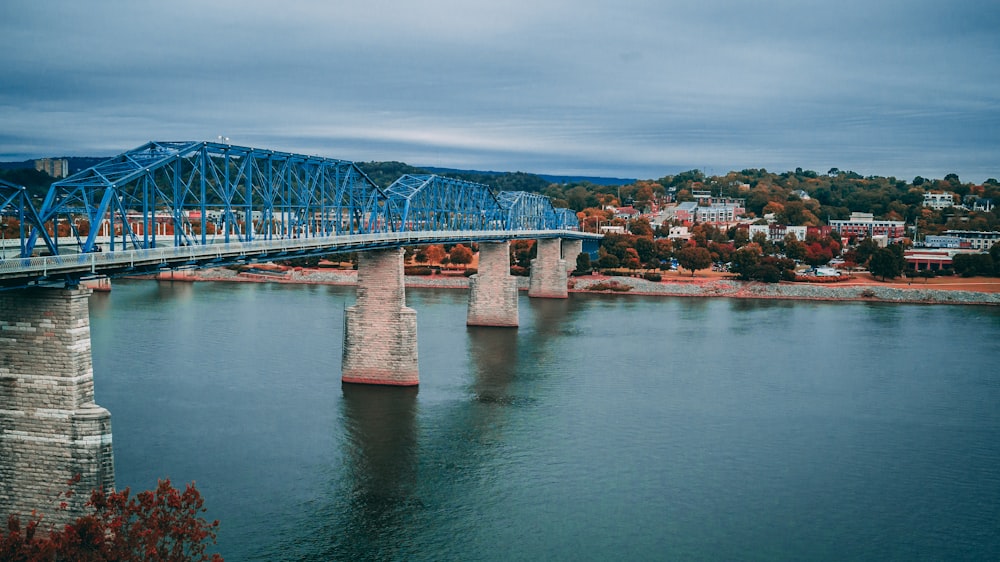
x=96 y=262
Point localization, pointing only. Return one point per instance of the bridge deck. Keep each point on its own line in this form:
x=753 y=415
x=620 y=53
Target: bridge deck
x=19 y=272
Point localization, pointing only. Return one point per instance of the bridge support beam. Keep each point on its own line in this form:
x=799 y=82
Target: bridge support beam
x=548 y=271
x=380 y=331
x=570 y=250
x=50 y=428
x=493 y=290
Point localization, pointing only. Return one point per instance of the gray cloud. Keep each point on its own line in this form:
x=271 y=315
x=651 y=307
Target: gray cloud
x=634 y=88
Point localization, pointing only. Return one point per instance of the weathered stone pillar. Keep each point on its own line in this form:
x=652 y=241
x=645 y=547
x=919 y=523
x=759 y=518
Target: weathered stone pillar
x=548 y=271
x=380 y=332
x=493 y=290
x=570 y=250
x=51 y=431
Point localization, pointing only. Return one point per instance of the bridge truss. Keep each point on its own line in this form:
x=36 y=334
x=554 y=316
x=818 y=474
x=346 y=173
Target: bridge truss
x=196 y=204
x=190 y=192
x=197 y=193
x=430 y=202
x=16 y=204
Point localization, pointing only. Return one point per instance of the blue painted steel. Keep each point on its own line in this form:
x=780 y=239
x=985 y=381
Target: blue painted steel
x=566 y=219
x=210 y=203
x=527 y=211
x=191 y=188
x=14 y=202
x=430 y=202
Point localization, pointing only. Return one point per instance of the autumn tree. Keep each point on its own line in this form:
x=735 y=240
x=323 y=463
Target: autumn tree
x=694 y=258
x=631 y=260
x=521 y=252
x=162 y=525
x=432 y=253
x=817 y=254
x=641 y=227
x=460 y=255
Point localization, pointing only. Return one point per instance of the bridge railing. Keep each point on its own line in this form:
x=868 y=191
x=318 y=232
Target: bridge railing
x=177 y=256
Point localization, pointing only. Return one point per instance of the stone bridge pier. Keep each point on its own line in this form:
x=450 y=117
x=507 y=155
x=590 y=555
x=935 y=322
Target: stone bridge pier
x=493 y=290
x=51 y=430
x=380 y=331
x=548 y=271
x=570 y=250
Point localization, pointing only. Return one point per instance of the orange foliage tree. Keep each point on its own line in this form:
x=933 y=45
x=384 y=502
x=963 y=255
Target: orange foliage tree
x=162 y=525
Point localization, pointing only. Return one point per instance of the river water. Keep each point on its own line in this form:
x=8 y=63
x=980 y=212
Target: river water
x=604 y=428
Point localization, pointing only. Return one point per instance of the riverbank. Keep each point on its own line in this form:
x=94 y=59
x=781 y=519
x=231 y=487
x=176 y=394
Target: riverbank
x=983 y=291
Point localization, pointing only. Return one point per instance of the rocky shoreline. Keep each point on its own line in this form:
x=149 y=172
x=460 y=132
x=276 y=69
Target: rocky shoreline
x=635 y=286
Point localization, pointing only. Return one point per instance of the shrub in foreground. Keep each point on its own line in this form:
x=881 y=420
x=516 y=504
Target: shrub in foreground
x=162 y=525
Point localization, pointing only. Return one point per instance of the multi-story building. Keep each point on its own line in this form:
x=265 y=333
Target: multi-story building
x=939 y=200
x=700 y=212
x=717 y=214
x=55 y=167
x=777 y=232
x=865 y=225
x=972 y=239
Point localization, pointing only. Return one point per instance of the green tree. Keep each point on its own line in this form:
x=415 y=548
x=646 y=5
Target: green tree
x=745 y=261
x=694 y=258
x=794 y=249
x=583 y=262
x=865 y=250
x=972 y=265
x=886 y=263
x=608 y=261
x=645 y=248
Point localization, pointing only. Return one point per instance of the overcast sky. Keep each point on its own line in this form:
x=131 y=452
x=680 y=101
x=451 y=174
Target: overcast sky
x=626 y=88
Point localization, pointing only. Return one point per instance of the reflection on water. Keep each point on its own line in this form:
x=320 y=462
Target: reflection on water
x=381 y=460
x=549 y=315
x=494 y=356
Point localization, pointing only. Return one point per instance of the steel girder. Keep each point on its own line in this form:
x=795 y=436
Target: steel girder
x=242 y=192
x=196 y=193
x=431 y=202
x=527 y=211
x=15 y=202
x=566 y=219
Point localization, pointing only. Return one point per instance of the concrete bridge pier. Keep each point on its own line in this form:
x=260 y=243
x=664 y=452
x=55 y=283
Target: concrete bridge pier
x=570 y=250
x=50 y=428
x=493 y=290
x=548 y=271
x=380 y=331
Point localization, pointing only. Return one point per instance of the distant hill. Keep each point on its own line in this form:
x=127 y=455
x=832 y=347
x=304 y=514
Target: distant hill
x=596 y=180
x=76 y=163
x=382 y=173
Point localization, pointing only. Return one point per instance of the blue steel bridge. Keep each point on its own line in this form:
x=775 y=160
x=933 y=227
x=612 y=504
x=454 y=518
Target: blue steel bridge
x=169 y=205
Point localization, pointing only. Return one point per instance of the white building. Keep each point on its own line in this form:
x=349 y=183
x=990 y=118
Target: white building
x=939 y=200
x=866 y=225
